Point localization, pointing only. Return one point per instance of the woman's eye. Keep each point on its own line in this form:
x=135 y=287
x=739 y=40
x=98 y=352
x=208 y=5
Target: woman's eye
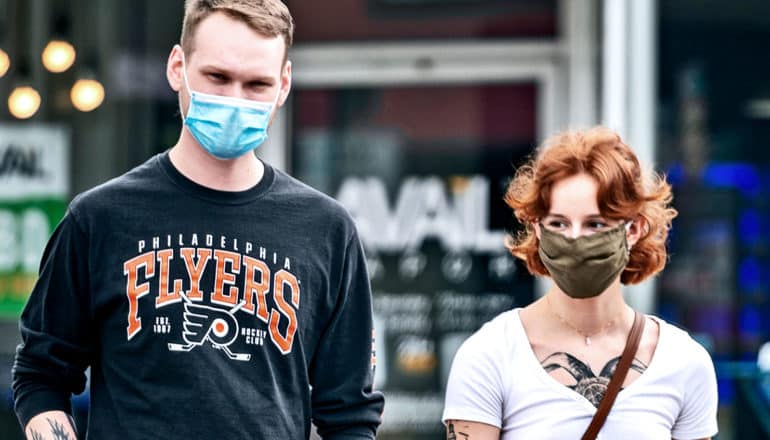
x=555 y=224
x=597 y=225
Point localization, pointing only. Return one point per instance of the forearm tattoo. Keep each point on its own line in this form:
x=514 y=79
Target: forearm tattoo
x=58 y=431
x=587 y=384
x=451 y=433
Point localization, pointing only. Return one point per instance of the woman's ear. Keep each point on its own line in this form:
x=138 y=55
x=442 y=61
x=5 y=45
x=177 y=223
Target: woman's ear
x=536 y=226
x=635 y=231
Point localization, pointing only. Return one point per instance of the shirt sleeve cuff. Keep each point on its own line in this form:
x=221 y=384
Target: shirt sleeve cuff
x=470 y=415
x=709 y=432
x=357 y=433
x=40 y=401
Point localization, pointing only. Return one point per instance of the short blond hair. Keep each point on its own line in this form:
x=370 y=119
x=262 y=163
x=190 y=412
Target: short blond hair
x=270 y=18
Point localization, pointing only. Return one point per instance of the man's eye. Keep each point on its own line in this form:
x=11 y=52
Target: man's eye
x=217 y=77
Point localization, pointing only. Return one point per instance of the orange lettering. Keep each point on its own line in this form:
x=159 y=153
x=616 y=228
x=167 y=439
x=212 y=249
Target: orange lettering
x=222 y=278
x=283 y=279
x=258 y=288
x=164 y=296
x=195 y=270
x=135 y=291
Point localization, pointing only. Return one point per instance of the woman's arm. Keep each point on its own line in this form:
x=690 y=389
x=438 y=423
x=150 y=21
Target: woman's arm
x=465 y=430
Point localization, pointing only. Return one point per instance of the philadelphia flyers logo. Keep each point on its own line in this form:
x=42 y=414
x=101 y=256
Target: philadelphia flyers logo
x=202 y=323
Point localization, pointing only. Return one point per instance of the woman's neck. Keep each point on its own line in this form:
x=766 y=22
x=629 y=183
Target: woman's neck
x=589 y=316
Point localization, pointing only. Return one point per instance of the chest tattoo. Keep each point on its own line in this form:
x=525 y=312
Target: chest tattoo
x=587 y=384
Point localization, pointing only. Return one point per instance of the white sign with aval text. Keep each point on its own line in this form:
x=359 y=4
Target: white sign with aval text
x=34 y=161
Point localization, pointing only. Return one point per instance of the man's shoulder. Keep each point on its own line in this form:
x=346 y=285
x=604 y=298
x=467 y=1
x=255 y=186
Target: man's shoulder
x=312 y=200
x=113 y=192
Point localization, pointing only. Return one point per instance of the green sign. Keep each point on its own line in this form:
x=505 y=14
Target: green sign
x=33 y=198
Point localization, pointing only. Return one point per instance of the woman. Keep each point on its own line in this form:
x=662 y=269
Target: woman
x=593 y=221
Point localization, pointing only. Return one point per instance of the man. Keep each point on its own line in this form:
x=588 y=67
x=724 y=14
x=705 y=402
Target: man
x=212 y=295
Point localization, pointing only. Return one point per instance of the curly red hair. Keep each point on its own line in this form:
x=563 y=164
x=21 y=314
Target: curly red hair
x=625 y=192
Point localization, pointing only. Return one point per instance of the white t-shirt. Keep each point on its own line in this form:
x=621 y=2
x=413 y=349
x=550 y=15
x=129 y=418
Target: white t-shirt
x=496 y=379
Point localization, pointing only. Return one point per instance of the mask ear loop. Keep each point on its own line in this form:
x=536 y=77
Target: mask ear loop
x=628 y=229
x=184 y=73
x=186 y=82
x=275 y=101
x=277 y=97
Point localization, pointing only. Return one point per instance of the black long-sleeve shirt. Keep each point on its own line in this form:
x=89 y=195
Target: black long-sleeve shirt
x=202 y=314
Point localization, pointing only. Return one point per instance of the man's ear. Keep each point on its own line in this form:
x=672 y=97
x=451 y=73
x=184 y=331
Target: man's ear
x=285 y=83
x=174 y=67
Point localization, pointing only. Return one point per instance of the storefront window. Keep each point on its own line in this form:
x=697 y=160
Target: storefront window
x=423 y=171
x=714 y=133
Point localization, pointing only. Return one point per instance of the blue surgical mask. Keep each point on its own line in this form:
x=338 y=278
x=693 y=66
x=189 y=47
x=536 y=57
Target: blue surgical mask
x=226 y=127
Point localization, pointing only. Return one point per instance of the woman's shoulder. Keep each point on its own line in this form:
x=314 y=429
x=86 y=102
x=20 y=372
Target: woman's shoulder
x=678 y=343
x=501 y=329
x=504 y=323
x=488 y=352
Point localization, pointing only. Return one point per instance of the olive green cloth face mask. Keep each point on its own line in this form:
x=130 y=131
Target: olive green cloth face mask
x=583 y=267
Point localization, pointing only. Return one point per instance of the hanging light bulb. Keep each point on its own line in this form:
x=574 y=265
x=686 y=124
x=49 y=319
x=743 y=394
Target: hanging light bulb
x=87 y=94
x=5 y=63
x=58 y=56
x=24 y=102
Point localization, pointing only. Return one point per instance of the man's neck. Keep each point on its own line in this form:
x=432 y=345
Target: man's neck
x=223 y=175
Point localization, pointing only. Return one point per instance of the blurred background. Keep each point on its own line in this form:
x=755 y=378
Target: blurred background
x=414 y=115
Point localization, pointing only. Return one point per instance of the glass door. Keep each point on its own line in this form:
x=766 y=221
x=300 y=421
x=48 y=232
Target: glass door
x=415 y=121
x=422 y=161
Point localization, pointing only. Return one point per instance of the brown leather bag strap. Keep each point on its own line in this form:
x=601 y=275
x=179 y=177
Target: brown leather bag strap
x=632 y=343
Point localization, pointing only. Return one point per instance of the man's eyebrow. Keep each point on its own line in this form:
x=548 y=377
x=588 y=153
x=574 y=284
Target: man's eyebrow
x=230 y=73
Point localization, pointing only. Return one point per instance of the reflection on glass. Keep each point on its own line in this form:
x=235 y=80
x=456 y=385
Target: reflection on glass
x=422 y=170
